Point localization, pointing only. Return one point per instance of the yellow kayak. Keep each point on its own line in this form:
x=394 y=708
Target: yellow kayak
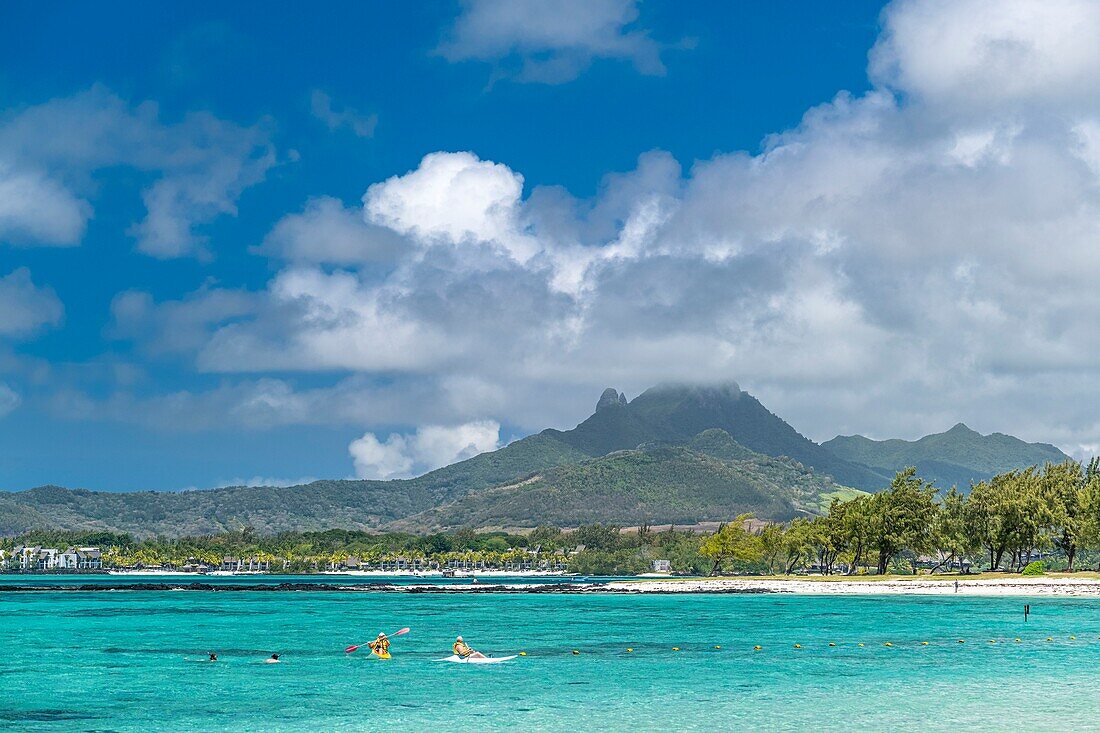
x=381 y=655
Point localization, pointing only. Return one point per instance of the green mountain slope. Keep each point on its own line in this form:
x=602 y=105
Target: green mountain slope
x=269 y=509
x=712 y=478
x=953 y=458
x=316 y=506
x=676 y=413
x=682 y=412
x=523 y=457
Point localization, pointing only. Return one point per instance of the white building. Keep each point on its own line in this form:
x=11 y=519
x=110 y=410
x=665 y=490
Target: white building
x=36 y=558
x=80 y=558
x=662 y=566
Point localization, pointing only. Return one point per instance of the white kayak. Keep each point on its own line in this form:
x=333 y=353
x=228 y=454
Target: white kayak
x=476 y=660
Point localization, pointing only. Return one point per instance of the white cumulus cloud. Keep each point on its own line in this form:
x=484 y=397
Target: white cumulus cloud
x=49 y=152
x=978 y=55
x=430 y=447
x=37 y=209
x=327 y=231
x=453 y=198
x=26 y=307
x=551 y=42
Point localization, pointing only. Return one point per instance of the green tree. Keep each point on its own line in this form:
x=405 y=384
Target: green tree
x=857 y=525
x=732 y=541
x=829 y=536
x=773 y=547
x=597 y=537
x=1065 y=485
x=1090 y=506
x=902 y=517
x=952 y=534
x=798 y=543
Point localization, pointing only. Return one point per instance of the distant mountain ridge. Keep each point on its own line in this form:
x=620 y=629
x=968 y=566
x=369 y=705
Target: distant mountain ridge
x=952 y=458
x=673 y=453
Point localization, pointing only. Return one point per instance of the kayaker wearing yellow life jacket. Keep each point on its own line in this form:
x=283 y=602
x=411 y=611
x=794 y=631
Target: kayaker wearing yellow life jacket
x=381 y=645
x=462 y=649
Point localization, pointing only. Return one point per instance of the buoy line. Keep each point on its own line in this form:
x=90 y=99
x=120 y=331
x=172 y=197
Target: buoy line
x=834 y=644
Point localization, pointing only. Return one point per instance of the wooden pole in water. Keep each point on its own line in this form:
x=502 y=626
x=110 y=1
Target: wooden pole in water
x=1027 y=610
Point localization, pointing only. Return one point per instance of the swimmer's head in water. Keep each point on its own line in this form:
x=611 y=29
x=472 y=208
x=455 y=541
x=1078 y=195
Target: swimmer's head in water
x=274 y=656
x=213 y=657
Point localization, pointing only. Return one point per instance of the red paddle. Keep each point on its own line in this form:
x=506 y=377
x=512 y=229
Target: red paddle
x=353 y=647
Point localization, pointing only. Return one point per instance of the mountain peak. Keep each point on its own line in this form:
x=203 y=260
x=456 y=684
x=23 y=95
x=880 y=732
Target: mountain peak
x=961 y=429
x=610 y=398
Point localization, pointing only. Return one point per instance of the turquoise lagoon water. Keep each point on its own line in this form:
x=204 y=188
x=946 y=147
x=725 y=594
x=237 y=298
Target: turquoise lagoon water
x=127 y=661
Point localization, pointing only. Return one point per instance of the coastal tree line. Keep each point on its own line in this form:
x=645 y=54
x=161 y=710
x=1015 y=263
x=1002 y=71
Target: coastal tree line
x=590 y=550
x=1000 y=524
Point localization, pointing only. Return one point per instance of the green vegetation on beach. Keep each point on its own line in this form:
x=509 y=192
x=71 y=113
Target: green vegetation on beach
x=1002 y=524
x=588 y=550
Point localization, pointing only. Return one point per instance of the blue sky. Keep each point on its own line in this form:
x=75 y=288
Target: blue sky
x=370 y=238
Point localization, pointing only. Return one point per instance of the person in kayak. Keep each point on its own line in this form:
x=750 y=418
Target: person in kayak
x=462 y=649
x=381 y=645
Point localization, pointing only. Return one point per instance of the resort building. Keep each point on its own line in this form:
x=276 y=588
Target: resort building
x=34 y=558
x=662 y=566
x=80 y=558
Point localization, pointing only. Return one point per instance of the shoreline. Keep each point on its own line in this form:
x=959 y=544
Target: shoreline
x=1085 y=587
x=843 y=585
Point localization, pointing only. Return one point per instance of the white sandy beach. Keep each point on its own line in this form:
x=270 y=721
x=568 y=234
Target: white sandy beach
x=997 y=586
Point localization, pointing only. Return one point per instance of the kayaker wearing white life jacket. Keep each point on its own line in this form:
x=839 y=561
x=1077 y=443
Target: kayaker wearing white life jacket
x=462 y=649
